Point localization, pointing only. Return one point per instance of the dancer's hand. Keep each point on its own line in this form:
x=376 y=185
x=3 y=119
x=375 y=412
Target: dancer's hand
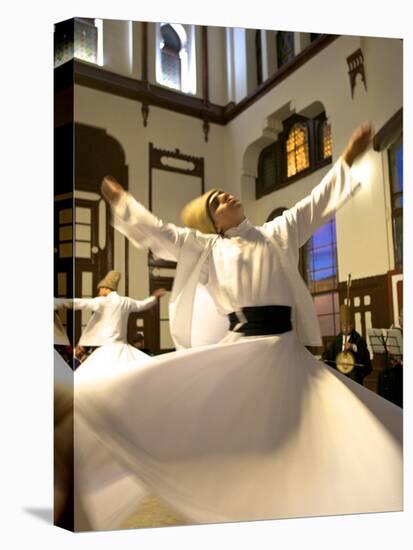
x=111 y=190
x=159 y=292
x=358 y=143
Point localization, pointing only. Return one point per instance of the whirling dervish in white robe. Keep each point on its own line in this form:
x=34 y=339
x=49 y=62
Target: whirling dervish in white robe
x=253 y=426
x=107 y=330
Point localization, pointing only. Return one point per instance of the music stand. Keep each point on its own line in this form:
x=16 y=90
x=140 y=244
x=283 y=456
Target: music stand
x=386 y=341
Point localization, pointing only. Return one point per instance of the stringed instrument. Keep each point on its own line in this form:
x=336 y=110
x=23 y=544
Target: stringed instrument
x=345 y=360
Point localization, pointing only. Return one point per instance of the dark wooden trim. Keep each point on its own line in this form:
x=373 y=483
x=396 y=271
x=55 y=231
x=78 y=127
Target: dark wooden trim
x=64 y=76
x=155 y=283
x=126 y=267
x=390 y=275
x=376 y=286
x=205 y=66
x=63 y=107
x=387 y=132
x=91 y=76
x=151 y=147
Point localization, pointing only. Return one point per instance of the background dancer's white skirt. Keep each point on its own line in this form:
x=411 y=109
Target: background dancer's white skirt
x=109 y=360
x=256 y=429
x=109 y=492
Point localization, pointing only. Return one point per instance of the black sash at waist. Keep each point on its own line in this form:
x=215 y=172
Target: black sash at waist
x=261 y=320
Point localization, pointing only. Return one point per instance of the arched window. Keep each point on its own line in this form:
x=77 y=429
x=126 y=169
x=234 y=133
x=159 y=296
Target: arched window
x=176 y=56
x=171 y=46
x=302 y=147
x=275 y=213
x=298 y=157
x=285 y=47
x=258 y=55
x=268 y=170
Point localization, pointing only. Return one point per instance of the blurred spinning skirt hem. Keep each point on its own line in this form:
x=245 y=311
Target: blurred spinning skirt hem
x=248 y=429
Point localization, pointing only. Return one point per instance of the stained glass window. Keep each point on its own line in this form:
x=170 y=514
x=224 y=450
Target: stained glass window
x=86 y=40
x=396 y=187
x=328 y=313
x=320 y=258
x=321 y=261
x=326 y=140
x=76 y=38
x=170 y=57
x=285 y=47
x=298 y=158
x=63 y=42
x=304 y=146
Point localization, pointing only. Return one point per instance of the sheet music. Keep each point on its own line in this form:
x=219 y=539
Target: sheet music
x=382 y=338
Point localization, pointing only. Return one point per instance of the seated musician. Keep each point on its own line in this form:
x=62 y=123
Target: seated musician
x=357 y=362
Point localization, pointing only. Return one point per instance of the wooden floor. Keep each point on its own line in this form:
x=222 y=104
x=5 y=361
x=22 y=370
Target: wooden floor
x=153 y=513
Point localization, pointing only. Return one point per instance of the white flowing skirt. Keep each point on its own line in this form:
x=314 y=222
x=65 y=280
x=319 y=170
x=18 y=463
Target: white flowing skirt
x=256 y=429
x=108 y=360
x=109 y=493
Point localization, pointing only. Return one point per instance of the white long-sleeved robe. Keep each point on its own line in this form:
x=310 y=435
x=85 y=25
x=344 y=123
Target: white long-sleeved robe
x=109 y=321
x=235 y=279
x=251 y=427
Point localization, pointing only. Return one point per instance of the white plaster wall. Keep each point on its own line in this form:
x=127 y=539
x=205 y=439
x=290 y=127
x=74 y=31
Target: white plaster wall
x=122 y=119
x=117 y=43
x=136 y=50
x=217 y=66
x=153 y=51
x=240 y=63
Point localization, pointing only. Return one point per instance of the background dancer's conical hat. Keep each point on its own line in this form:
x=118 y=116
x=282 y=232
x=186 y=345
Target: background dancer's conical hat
x=196 y=213
x=110 y=280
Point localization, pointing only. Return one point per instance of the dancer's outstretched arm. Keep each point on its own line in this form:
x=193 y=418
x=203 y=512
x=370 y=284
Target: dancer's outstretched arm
x=143 y=305
x=337 y=186
x=91 y=304
x=142 y=227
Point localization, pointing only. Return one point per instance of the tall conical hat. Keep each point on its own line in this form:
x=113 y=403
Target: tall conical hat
x=196 y=213
x=110 y=280
x=345 y=315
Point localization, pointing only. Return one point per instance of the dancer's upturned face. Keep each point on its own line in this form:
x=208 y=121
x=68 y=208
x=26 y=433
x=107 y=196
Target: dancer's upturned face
x=103 y=291
x=226 y=211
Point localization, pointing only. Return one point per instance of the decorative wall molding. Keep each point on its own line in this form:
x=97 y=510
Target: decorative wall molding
x=355 y=63
x=191 y=166
x=205 y=127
